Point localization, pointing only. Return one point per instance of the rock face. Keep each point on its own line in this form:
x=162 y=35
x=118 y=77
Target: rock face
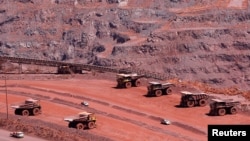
x=197 y=40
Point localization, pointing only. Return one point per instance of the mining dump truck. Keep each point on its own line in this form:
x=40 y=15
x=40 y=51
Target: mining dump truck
x=82 y=121
x=158 y=89
x=189 y=99
x=128 y=80
x=29 y=107
x=220 y=107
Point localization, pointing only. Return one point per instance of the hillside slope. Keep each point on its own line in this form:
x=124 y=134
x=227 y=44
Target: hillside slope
x=196 y=40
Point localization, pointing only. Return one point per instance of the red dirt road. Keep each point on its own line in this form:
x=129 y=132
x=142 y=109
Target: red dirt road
x=122 y=114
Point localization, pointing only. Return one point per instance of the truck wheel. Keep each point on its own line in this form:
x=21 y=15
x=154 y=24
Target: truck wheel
x=221 y=112
x=25 y=113
x=211 y=112
x=158 y=93
x=190 y=103
x=118 y=86
x=137 y=83
x=71 y=125
x=91 y=125
x=233 y=110
x=182 y=104
x=202 y=102
x=17 y=112
x=36 y=111
x=79 y=126
x=168 y=90
x=128 y=84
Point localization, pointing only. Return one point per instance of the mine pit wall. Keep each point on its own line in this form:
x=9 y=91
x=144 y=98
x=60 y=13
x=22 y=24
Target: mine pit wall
x=214 y=56
x=217 y=53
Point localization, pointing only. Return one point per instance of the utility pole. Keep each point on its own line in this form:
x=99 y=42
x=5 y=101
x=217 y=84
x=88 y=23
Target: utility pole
x=6 y=92
x=5 y=71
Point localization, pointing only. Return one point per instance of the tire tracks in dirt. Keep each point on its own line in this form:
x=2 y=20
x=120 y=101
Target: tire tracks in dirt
x=77 y=105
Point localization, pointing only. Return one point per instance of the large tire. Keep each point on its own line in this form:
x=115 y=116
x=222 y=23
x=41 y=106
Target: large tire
x=221 y=112
x=91 y=125
x=119 y=85
x=190 y=103
x=128 y=84
x=71 y=125
x=25 y=113
x=17 y=112
x=137 y=83
x=212 y=113
x=202 y=102
x=158 y=93
x=36 y=111
x=79 y=126
x=233 y=110
x=168 y=91
x=182 y=104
